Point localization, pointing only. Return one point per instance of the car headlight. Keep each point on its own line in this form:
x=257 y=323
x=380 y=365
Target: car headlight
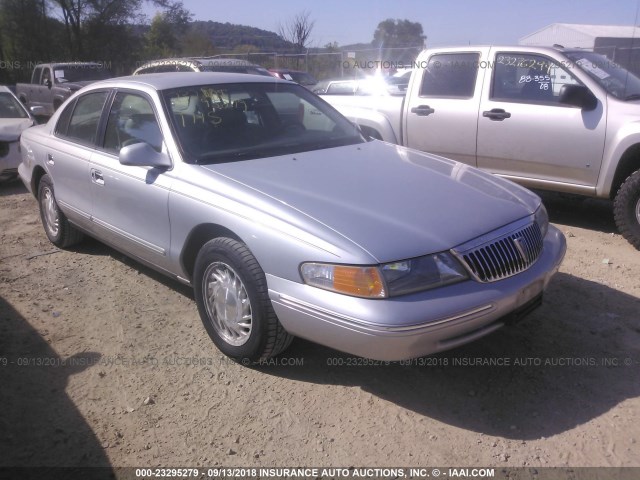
x=542 y=219
x=387 y=280
x=422 y=273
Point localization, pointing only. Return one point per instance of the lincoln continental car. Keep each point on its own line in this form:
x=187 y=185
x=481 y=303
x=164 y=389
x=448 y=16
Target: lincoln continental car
x=286 y=220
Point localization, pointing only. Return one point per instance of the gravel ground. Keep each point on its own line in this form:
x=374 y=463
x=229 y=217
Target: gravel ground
x=105 y=363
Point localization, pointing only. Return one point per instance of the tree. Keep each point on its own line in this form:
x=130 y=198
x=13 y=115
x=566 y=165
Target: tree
x=27 y=36
x=297 y=30
x=160 y=40
x=83 y=18
x=398 y=33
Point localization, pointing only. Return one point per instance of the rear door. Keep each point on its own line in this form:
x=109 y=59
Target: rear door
x=526 y=134
x=68 y=155
x=441 y=109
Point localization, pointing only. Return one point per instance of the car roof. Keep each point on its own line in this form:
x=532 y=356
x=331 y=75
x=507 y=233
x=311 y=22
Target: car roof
x=201 y=61
x=164 y=81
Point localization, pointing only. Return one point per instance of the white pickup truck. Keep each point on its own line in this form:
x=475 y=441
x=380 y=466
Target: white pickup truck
x=550 y=118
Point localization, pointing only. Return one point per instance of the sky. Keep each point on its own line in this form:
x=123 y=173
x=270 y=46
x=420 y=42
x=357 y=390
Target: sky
x=445 y=22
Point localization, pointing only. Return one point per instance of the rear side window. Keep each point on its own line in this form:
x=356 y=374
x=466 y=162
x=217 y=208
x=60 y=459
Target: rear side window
x=450 y=75
x=83 y=124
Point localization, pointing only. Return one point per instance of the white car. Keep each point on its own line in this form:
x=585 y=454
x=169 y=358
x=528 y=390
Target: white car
x=14 y=119
x=286 y=220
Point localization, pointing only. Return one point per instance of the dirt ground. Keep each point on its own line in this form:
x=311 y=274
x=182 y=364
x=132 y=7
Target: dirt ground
x=106 y=363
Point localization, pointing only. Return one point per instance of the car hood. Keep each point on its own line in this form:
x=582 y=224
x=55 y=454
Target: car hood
x=11 y=128
x=393 y=202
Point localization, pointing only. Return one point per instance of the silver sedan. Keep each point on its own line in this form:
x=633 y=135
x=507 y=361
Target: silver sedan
x=286 y=220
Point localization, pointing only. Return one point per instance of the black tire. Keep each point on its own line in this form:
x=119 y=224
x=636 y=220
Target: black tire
x=254 y=333
x=56 y=226
x=626 y=209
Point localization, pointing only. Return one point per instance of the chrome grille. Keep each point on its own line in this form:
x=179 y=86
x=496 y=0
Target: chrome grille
x=505 y=256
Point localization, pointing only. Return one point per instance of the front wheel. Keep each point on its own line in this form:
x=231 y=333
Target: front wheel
x=233 y=302
x=626 y=208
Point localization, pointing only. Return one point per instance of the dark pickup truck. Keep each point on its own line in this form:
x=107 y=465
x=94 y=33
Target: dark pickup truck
x=52 y=83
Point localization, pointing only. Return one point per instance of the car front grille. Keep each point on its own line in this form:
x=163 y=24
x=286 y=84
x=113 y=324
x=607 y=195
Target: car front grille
x=504 y=256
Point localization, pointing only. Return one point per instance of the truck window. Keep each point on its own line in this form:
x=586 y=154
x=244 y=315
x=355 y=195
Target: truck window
x=46 y=76
x=37 y=73
x=528 y=78
x=450 y=75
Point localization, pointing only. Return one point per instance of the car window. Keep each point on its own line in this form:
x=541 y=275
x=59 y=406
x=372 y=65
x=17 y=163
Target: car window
x=83 y=124
x=451 y=75
x=131 y=120
x=341 y=88
x=10 y=107
x=528 y=78
x=233 y=122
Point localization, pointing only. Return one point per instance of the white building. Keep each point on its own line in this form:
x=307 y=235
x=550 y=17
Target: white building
x=620 y=43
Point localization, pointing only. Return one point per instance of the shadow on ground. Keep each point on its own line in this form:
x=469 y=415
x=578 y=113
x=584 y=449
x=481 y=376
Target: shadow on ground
x=39 y=424
x=564 y=365
x=577 y=211
x=12 y=187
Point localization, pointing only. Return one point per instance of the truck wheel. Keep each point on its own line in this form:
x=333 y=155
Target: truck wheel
x=626 y=208
x=231 y=293
x=58 y=229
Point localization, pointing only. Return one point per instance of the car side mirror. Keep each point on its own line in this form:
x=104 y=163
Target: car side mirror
x=143 y=155
x=37 y=110
x=48 y=83
x=578 y=96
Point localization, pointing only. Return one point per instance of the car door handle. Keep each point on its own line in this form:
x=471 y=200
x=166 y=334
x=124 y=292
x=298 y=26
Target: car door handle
x=423 y=110
x=496 y=114
x=50 y=160
x=96 y=177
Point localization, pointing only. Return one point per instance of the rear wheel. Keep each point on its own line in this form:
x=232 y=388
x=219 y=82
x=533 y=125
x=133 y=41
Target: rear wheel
x=231 y=293
x=626 y=208
x=58 y=229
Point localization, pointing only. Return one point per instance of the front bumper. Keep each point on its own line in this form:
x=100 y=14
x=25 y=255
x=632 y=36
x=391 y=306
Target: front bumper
x=9 y=159
x=413 y=325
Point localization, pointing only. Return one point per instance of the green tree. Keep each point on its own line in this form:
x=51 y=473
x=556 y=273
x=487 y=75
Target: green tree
x=27 y=36
x=398 y=33
x=160 y=40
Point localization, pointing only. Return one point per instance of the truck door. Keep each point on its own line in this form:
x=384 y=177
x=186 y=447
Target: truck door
x=43 y=93
x=524 y=133
x=441 y=111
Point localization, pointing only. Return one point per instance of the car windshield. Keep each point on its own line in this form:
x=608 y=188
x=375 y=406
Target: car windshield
x=616 y=80
x=10 y=107
x=80 y=73
x=228 y=122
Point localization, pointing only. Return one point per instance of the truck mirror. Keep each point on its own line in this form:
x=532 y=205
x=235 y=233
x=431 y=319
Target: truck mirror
x=578 y=96
x=47 y=82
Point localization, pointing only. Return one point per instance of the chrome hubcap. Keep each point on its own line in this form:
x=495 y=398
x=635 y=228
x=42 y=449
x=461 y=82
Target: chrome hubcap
x=227 y=303
x=638 y=211
x=50 y=210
